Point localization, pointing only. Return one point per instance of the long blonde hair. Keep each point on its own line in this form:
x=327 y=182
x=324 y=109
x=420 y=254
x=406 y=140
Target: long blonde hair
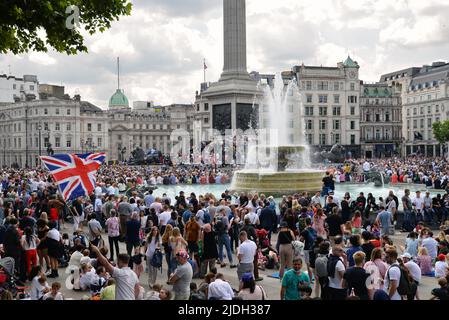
x=422 y=251
x=176 y=233
x=167 y=233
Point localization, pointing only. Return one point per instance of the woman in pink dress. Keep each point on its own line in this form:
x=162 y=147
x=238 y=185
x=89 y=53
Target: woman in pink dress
x=318 y=223
x=377 y=268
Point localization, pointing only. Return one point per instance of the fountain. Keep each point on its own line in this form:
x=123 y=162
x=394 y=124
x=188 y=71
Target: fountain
x=279 y=162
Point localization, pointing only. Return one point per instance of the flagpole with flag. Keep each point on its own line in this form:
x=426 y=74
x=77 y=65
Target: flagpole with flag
x=204 y=69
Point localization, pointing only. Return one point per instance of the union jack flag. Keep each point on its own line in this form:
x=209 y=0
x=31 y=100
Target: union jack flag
x=75 y=174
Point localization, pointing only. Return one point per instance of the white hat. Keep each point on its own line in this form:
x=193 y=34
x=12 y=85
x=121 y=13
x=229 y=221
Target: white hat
x=406 y=255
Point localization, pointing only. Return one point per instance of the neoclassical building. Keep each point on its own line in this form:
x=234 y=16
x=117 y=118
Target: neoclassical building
x=29 y=127
x=380 y=120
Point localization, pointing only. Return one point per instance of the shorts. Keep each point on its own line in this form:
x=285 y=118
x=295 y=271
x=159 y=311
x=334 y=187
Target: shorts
x=307 y=256
x=193 y=246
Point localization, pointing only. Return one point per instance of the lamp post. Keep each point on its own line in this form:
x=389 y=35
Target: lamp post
x=39 y=128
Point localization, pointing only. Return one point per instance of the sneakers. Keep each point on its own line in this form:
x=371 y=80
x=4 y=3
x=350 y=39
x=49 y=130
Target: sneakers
x=232 y=266
x=222 y=265
x=53 y=274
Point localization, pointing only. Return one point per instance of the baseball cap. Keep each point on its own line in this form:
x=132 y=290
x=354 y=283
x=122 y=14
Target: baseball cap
x=406 y=255
x=183 y=254
x=441 y=257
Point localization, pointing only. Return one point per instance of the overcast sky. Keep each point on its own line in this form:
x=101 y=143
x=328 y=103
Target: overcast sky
x=163 y=43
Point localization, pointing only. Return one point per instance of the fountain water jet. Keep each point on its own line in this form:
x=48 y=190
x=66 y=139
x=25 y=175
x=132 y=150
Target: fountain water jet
x=280 y=162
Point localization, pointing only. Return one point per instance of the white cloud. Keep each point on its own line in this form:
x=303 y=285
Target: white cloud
x=163 y=43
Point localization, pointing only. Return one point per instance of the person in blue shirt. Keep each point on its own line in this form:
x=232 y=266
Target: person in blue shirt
x=354 y=240
x=292 y=280
x=186 y=215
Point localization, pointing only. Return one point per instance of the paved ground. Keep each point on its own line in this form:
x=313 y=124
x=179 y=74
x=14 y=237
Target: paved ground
x=271 y=285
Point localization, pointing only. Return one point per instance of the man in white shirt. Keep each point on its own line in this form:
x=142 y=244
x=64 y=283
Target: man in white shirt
x=316 y=199
x=366 y=166
x=164 y=217
x=246 y=252
x=127 y=284
x=220 y=289
x=430 y=244
x=336 y=290
x=418 y=204
x=252 y=216
x=393 y=275
x=412 y=266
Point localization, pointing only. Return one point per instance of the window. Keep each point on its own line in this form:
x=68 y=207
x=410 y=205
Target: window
x=20 y=142
x=322 y=139
x=147 y=126
x=322 y=98
x=352 y=138
x=89 y=127
x=437 y=109
x=45 y=111
x=57 y=111
x=197 y=107
x=415 y=111
x=336 y=125
x=46 y=142
x=336 y=86
x=309 y=124
x=337 y=138
x=99 y=142
x=57 y=126
x=69 y=126
x=69 y=143
x=421 y=110
x=352 y=86
x=336 y=111
x=99 y=127
x=415 y=124
x=308 y=85
x=323 y=85
x=206 y=120
x=368 y=117
x=429 y=109
x=408 y=112
x=336 y=98
x=291 y=124
x=421 y=122
x=387 y=117
x=206 y=107
x=377 y=134
x=352 y=111
x=309 y=111
x=322 y=124
x=352 y=125
x=14 y=86
x=309 y=98
x=46 y=126
x=119 y=137
x=36 y=142
x=429 y=123
x=19 y=127
x=323 y=111
x=352 y=99
x=68 y=112
x=377 y=117
x=57 y=142
x=408 y=124
x=32 y=88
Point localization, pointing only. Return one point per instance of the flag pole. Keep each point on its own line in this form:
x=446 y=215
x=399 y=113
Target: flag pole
x=204 y=69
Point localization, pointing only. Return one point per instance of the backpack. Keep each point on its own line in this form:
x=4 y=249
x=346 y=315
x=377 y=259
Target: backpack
x=405 y=287
x=156 y=260
x=321 y=266
x=220 y=227
x=313 y=233
x=206 y=216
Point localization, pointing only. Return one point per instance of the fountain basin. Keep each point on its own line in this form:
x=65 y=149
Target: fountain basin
x=278 y=183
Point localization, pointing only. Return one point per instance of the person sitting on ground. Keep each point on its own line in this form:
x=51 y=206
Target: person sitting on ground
x=220 y=289
x=154 y=293
x=441 y=266
x=441 y=293
x=54 y=294
x=108 y=292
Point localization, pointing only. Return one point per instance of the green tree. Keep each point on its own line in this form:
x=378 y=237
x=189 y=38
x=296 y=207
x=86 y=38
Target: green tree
x=441 y=131
x=37 y=25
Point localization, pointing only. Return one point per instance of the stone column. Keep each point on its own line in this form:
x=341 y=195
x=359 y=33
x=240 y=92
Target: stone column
x=234 y=36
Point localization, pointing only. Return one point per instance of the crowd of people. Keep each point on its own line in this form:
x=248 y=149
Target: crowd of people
x=321 y=246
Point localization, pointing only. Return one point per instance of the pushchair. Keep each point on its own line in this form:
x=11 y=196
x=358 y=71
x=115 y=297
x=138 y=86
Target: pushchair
x=8 y=280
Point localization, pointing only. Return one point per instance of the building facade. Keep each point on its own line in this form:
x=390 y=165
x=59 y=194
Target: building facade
x=16 y=89
x=380 y=120
x=29 y=127
x=331 y=101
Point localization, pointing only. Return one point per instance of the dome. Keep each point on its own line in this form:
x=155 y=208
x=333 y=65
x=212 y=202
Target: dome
x=118 y=100
x=350 y=63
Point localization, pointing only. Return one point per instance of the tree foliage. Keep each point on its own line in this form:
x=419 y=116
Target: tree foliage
x=38 y=25
x=441 y=131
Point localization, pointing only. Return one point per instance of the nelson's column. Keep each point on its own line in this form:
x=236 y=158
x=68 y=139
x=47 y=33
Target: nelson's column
x=228 y=103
